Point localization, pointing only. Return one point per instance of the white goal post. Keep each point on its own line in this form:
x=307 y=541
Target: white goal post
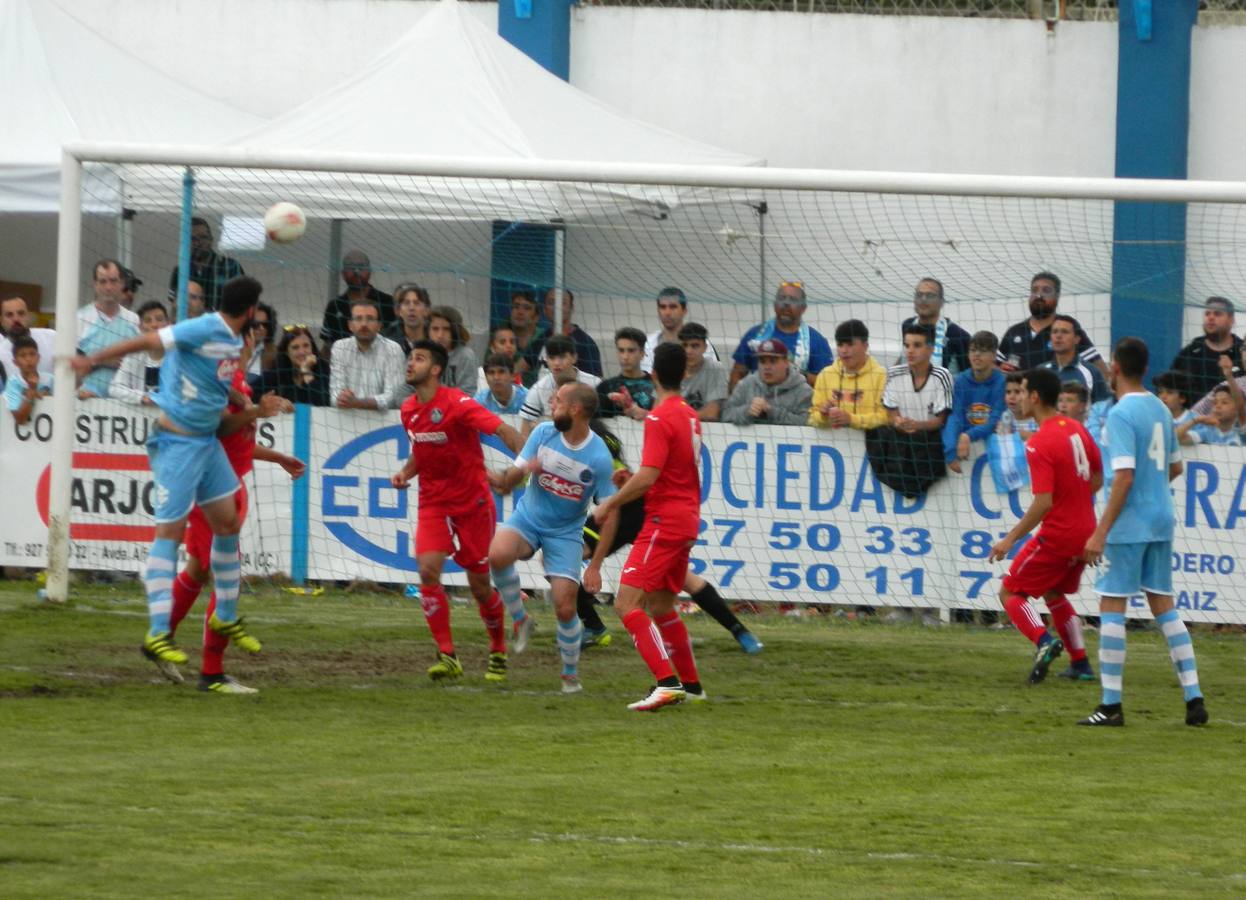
x=636 y=184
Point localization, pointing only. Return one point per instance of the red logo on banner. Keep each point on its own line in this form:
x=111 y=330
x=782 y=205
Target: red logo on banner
x=99 y=531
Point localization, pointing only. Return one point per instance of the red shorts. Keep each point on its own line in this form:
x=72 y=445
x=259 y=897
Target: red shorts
x=470 y=531
x=1037 y=569
x=656 y=562
x=198 y=539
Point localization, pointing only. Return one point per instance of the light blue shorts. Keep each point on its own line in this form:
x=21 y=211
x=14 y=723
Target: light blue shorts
x=1129 y=569
x=187 y=470
x=560 y=553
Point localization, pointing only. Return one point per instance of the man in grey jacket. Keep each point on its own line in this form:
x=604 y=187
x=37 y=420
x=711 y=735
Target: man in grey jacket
x=776 y=394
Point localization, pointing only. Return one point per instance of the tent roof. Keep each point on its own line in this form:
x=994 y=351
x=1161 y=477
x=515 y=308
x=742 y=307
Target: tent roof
x=64 y=82
x=453 y=87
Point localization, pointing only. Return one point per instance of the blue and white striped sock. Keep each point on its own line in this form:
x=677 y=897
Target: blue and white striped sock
x=1111 y=655
x=158 y=582
x=569 y=636
x=226 y=575
x=507 y=581
x=1181 y=651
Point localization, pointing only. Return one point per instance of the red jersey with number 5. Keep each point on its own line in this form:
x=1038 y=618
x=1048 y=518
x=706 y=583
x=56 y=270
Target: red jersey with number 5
x=1063 y=459
x=673 y=446
x=445 y=438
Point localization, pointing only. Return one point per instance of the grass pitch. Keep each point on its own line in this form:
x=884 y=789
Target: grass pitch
x=848 y=759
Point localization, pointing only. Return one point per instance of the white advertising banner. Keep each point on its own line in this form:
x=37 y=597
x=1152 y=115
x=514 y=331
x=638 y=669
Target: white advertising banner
x=787 y=514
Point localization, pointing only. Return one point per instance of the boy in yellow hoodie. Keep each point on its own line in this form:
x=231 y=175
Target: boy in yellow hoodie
x=849 y=392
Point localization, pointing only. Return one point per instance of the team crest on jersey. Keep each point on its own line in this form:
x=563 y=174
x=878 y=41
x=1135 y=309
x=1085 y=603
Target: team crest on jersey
x=436 y=416
x=560 y=487
x=225 y=370
x=586 y=475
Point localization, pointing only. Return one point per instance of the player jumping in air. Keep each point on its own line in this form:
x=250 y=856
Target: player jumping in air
x=237 y=436
x=188 y=463
x=669 y=478
x=568 y=465
x=456 y=513
x=631 y=518
x=1065 y=472
x=1134 y=537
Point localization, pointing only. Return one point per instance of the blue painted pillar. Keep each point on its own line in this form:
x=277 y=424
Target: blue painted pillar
x=541 y=29
x=1152 y=141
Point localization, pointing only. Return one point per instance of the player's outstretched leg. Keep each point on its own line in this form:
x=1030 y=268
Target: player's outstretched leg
x=678 y=647
x=493 y=614
x=1181 y=652
x=595 y=632
x=158 y=582
x=1111 y=671
x=507 y=546
x=227 y=581
x=1046 y=648
x=649 y=644
x=706 y=596
x=1069 y=627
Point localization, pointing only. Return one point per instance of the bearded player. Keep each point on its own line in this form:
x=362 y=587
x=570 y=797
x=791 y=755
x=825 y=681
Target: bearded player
x=1065 y=472
x=188 y=464
x=669 y=478
x=237 y=436
x=568 y=466
x=456 y=514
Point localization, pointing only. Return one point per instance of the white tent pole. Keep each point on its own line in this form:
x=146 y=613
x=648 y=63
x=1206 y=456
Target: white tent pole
x=560 y=238
x=1137 y=189
x=68 y=254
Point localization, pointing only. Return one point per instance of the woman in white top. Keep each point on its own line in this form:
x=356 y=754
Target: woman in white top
x=139 y=374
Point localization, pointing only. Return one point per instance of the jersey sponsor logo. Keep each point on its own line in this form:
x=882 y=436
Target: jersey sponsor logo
x=428 y=437
x=560 y=487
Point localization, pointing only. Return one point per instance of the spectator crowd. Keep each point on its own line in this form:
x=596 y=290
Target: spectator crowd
x=921 y=415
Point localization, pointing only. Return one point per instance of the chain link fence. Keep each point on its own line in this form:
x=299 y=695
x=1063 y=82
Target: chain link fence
x=1210 y=11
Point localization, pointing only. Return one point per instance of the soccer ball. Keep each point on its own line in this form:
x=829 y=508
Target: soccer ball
x=284 y=223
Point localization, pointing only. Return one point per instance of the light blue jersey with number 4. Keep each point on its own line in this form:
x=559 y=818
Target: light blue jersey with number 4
x=1141 y=436
x=200 y=358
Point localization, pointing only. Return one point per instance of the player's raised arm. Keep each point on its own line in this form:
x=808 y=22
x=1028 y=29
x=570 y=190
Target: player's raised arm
x=510 y=437
x=149 y=343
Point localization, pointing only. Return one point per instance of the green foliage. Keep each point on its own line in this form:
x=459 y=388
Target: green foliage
x=854 y=759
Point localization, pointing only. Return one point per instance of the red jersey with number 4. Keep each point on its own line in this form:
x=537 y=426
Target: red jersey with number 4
x=240 y=446
x=1063 y=460
x=673 y=446
x=445 y=438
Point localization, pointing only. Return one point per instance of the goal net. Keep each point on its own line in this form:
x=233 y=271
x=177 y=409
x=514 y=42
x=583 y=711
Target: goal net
x=791 y=513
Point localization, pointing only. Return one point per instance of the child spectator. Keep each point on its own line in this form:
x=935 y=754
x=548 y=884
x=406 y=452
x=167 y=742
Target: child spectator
x=849 y=392
x=1173 y=388
x=1225 y=423
x=977 y=400
x=501 y=395
x=26 y=386
x=1006 y=447
x=501 y=341
x=704 y=386
x=776 y=394
x=1073 y=401
x=631 y=392
x=139 y=375
x=560 y=359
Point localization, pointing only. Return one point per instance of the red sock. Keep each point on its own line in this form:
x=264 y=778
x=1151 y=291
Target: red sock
x=185 y=593
x=678 y=646
x=1023 y=616
x=648 y=643
x=437 y=613
x=493 y=614
x=213 y=644
x=1069 y=626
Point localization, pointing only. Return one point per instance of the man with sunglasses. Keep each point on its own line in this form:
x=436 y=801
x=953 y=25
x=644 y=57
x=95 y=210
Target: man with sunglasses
x=807 y=348
x=1027 y=345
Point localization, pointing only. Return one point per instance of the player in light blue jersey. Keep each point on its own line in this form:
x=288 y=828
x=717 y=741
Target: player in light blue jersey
x=188 y=464
x=568 y=466
x=1134 y=535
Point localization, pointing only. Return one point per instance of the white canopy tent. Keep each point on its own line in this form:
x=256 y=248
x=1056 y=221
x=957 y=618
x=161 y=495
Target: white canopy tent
x=63 y=82
x=449 y=88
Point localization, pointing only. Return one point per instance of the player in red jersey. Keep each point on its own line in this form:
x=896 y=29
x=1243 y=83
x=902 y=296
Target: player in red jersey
x=237 y=436
x=669 y=478
x=1066 y=471
x=456 y=513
